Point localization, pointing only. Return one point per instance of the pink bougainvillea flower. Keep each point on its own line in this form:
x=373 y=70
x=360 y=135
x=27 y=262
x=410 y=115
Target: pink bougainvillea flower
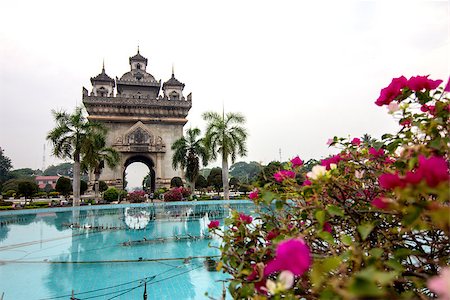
x=392 y=91
x=356 y=142
x=447 y=86
x=393 y=107
x=330 y=141
x=307 y=182
x=272 y=234
x=376 y=153
x=440 y=285
x=296 y=162
x=258 y=277
x=245 y=218
x=424 y=108
x=434 y=170
x=254 y=194
x=327 y=227
x=405 y=122
x=418 y=83
x=213 y=224
x=335 y=159
x=390 y=181
x=380 y=202
x=389 y=160
x=284 y=174
x=291 y=255
x=413 y=177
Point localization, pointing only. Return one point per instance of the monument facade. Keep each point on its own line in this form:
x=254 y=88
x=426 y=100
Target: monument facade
x=143 y=119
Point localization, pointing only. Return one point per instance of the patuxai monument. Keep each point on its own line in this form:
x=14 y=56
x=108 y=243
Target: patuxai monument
x=143 y=119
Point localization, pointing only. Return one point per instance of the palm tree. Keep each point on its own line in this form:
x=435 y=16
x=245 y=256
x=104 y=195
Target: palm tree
x=71 y=138
x=188 y=150
x=95 y=157
x=225 y=136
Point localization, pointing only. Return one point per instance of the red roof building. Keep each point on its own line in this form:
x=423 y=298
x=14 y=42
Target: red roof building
x=42 y=181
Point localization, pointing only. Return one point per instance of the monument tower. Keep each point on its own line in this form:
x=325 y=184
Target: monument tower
x=143 y=119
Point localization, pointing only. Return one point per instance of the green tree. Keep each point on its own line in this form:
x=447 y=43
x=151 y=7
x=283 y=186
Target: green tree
x=266 y=174
x=5 y=166
x=64 y=169
x=64 y=186
x=83 y=187
x=215 y=179
x=71 y=139
x=245 y=172
x=111 y=194
x=102 y=186
x=27 y=188
x=226 y=137
x=176 y=182
x=234 y=183
x=95 y=157
x=201 y=182
x=188 y=150
x=23 y=173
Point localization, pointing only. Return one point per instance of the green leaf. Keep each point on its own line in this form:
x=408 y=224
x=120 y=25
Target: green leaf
x=228 y=221
x=334 y=210
x=326 y=236
x=365 y=229
x=376 y=252
x=268 y=197
x=347 y=240
x=413 y=212
x=331 y=263
x=320 y=216
x=279 y=204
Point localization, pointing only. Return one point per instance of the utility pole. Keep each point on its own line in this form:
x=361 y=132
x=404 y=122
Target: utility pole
x=280 y=155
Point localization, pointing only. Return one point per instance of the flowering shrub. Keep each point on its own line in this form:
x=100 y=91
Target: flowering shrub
x=136 y=196
x=371 y=222
x=177 y=194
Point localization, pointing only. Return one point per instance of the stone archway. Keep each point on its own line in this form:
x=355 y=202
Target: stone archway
x=145 y=160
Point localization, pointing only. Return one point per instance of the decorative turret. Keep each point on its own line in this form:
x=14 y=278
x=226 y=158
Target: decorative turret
x=102 y=84
x=173 y=88
x=138 y=62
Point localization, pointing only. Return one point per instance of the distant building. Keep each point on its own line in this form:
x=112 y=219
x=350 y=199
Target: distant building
x=42 y=181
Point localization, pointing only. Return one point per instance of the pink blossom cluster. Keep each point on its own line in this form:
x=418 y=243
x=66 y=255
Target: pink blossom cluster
x=291 y=255
x=356 y=141
x=335 y=159
x=246 y=219
x=376 y=153
x=283 y=174
x=415 y=83
x=213 y=224
x=296 y=162
x=254 y=194
x=433 y=170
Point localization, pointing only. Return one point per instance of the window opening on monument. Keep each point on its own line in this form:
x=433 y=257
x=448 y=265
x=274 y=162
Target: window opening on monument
x=134 y=177
x=138 y=66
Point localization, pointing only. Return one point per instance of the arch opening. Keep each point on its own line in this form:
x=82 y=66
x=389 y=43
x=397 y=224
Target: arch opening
x=139 y=174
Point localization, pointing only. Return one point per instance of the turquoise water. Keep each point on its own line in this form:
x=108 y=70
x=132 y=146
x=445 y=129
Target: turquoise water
x=111 y=253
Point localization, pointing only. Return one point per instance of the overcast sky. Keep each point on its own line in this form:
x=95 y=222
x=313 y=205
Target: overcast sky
x=300 y=71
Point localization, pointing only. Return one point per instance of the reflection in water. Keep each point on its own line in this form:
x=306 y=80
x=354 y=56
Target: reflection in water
x=85 y=260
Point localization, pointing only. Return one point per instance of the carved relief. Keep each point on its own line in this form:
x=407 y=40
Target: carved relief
x=139 y=136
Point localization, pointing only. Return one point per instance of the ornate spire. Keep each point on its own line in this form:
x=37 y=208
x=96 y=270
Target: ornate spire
x=173 y=72
x=138 y=48
x=103 y=68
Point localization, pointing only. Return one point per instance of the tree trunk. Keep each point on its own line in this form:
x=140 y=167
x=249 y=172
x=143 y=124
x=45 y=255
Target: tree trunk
x=96 y=187
x=226 y=187
x=76 y=182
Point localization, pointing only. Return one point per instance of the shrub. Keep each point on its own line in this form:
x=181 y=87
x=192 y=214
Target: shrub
x=176 y=182
x=136 y=196
x=9 y=194
x=64 y=186
x=27 y=188
x=53 y=194
x=111 y=194
x=102 y=186
x=83 y=187
x=40 y=195
x=177 y=194
x=371 y=222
